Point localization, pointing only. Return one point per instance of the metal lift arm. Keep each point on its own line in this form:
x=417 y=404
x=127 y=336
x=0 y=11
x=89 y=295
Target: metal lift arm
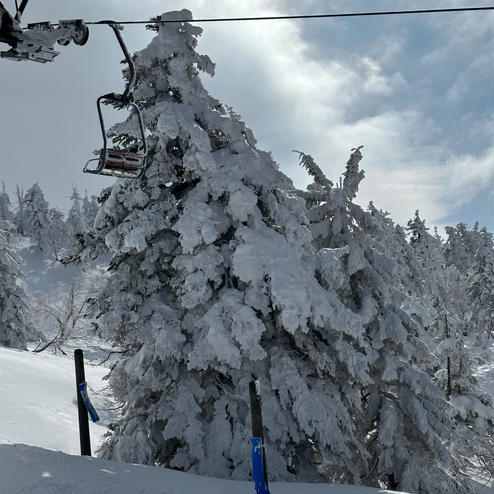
x=8 y=26
x=126 y=96
x=20 y=10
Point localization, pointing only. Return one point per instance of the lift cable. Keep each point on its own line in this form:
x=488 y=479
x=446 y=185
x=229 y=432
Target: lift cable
x=291 y=17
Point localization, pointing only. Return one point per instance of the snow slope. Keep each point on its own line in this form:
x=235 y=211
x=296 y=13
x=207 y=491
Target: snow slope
x=38 y=408
x=38 y=404
x=25 y=469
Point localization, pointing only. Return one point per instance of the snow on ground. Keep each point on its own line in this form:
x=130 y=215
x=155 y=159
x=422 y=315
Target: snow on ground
x=38 y=408
x=26 y=470
x=485 y=377
x=38 y=404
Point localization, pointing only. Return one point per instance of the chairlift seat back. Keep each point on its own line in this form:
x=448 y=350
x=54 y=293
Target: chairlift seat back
x=118 y=163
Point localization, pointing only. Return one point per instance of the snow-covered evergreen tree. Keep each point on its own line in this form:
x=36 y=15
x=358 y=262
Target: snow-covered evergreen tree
x=57 y=233
x=36 y=217
x=428 y=248
x=480 y=286
x=75 y=220
x=19 y=220
x=90 y=208
x=466 y=342
x=473 y=411
x=441 y=322
x=458 y=308
x=460 y=247
x=407 y=424
x=14 y=326
x=213 y=282
x=6 y=213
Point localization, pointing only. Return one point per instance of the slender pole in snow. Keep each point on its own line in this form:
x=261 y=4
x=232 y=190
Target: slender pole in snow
x=257 y=426
x=83 y=415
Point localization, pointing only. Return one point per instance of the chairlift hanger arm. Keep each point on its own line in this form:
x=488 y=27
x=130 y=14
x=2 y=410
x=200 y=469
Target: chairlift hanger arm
x=23 y=6
x=20 y=10
x=8 y=27
x=127 y=94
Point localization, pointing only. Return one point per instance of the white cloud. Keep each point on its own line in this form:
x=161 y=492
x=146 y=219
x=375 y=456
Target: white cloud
x=437 y=189
x=302 y=102
x=459 y=35
x=294 y=100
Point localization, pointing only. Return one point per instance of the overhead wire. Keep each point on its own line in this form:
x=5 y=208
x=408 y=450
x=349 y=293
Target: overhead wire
x=293 y=17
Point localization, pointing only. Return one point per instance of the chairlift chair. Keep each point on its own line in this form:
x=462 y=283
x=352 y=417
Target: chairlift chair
x=121 y=163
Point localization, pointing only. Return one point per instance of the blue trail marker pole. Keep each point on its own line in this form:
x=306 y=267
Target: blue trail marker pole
x=259 y=470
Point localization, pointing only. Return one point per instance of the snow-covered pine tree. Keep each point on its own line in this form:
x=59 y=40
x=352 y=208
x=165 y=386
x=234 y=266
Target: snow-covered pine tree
x=428 y=249
x=469 y=254
x=441 y=322
x=467 y=344
x=15 y=330
x=90 y=208
x=460 y=247
x=36 y=217
x=409 y=273
x=57 y=233
x=88 y=245
x=458 y=341
x=472 y=408
x=19 y=220
x=407 y=425
x=6 y=213
x=480 y=286
x=75 y=220
x=213 y=283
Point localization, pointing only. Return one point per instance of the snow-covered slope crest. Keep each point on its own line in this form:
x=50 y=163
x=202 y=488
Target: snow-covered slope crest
x=30 y=470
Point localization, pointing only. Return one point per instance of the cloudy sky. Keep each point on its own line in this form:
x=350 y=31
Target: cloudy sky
x=416 y=91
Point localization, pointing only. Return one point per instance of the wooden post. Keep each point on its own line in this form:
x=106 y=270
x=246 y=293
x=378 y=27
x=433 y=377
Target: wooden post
x=256 y=417
x=83 y=415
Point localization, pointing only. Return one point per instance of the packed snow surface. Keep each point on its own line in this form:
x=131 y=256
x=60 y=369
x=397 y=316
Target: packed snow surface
x=26 y=469
x=38 y=408
x=38 y=404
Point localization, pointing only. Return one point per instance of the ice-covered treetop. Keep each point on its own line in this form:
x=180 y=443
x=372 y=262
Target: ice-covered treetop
x=174 y=47
x=177 y=38
x=191 y=134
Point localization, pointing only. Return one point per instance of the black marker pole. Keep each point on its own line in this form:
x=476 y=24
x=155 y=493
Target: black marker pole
x=83 y=415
